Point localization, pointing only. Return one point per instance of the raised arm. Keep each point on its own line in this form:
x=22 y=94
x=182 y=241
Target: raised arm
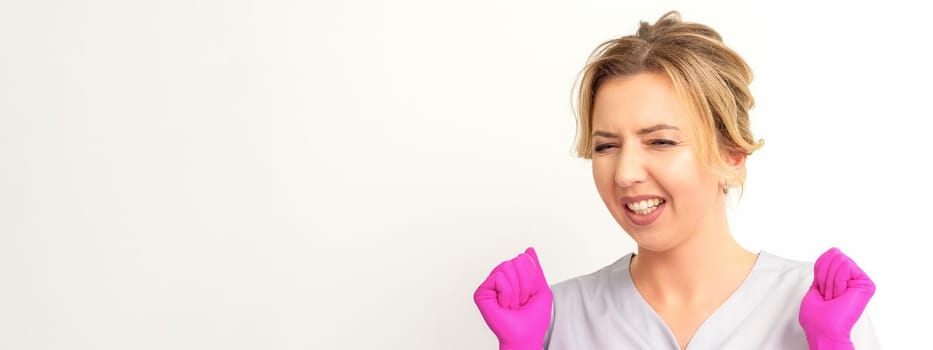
x=515 y=300
x=834 y=302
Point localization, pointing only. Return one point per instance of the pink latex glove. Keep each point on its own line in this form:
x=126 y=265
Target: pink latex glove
x=834 y=302
x=515 y=301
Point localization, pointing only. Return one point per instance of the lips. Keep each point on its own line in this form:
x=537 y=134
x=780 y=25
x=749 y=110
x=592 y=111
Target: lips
x=643 y=210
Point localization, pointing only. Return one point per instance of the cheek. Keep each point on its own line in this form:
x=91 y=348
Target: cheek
x=604 y=178
x=687 y=176
x=685 y=162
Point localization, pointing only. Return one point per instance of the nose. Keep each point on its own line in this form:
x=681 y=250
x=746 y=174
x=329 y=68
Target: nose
x=630 y=167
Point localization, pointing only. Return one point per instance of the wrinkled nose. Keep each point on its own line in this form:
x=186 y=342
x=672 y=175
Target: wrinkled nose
x=630 y=168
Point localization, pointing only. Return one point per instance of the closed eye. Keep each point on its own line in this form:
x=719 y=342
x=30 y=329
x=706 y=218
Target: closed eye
x=663 y=142
x=601 y=148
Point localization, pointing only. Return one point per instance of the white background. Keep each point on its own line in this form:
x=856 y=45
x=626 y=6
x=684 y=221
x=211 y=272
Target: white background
x=342 y=175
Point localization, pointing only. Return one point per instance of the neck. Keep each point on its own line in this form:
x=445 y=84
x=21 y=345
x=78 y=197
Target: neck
x=695 y=269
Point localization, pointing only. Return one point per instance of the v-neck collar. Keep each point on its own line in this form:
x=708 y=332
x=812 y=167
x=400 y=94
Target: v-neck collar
x=727 y=317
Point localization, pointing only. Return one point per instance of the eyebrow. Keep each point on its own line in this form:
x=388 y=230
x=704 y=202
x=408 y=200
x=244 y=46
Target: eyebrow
x=644 y=131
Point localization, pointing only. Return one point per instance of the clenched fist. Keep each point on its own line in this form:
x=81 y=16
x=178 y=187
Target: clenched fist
x=836 y=299
x=515 y=300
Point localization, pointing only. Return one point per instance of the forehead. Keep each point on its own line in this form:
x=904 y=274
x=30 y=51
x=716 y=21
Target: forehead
x=637 y=101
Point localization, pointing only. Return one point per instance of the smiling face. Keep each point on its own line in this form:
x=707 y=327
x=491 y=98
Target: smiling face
x=645 y=165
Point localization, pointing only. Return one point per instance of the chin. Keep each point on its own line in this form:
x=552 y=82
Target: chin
x=652 y=238
x=652 y=241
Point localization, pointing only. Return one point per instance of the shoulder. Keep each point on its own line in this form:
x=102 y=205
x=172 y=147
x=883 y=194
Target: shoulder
x=593 y=283
x=786 y=269
x=580 y=304
x=779 y=280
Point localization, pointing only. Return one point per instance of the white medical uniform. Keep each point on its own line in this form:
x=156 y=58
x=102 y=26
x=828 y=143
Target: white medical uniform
x=603 y=310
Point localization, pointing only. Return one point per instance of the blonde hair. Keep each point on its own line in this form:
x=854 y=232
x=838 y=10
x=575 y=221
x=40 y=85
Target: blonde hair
x=710 y=77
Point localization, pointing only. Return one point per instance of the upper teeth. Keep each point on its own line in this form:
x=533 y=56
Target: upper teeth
x=645 y=204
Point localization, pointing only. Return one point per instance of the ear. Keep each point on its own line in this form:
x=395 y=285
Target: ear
x=734 y=159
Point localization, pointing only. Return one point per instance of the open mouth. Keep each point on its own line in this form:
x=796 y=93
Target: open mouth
x=645 y=207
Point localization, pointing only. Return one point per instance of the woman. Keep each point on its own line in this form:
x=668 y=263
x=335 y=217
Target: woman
x=663 y=116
